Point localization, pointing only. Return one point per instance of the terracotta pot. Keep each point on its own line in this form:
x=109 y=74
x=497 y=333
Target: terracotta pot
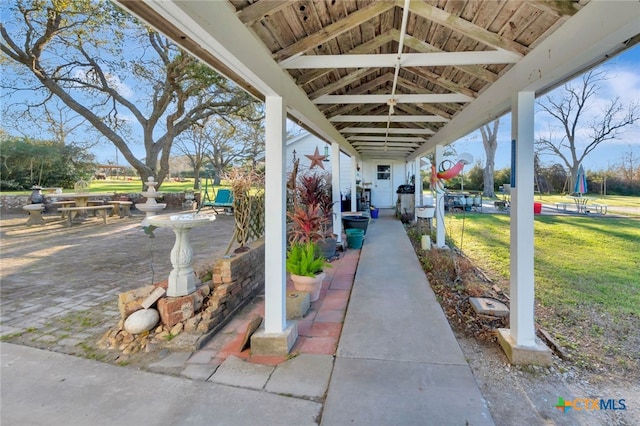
x=311 y=285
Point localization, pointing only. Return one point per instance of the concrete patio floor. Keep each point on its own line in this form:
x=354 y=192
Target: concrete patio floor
x=395 y=351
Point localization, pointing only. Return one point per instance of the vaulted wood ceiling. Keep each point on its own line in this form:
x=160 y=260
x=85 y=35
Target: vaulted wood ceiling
x=387 y=79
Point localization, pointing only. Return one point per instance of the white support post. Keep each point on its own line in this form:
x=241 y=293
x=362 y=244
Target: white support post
x=418 y=184
x=519 y=342
x=275 y=224
x=522 y=283
x=354 y=168
x=335 y=185
x=440 y=240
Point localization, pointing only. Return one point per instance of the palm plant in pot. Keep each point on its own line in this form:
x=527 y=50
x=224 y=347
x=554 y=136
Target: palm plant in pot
x=306 y=267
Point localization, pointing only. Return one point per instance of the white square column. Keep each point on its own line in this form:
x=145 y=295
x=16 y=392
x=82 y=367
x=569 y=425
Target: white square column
x=519 y=342
x=335 y=189
x=277 y=337
x=418 y=186
x=354 y=176
x=440 y=239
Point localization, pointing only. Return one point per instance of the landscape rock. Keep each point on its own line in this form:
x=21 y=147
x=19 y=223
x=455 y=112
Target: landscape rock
x=141 y=321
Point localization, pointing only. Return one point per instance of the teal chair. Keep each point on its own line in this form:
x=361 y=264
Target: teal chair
x=223 y=200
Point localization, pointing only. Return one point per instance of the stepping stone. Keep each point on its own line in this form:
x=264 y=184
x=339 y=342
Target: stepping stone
x=487 y=306
x=305 y=376
x=236 y=372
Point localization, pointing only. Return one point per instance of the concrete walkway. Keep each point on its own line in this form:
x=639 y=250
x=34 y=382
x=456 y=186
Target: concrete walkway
x=397 y=363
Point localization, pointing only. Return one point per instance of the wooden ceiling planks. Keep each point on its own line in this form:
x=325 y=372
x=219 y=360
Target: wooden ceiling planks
x=335 y=27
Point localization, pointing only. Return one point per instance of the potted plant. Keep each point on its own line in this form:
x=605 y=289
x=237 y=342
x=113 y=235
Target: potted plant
x=306 y=267
x=307 y=222
x=315 y=190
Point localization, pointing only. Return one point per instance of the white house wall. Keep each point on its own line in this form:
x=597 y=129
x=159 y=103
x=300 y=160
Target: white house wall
x=398 y=177
x=306 y=145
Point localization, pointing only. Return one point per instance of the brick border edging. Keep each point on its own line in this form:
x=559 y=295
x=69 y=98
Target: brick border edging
x=229 y=270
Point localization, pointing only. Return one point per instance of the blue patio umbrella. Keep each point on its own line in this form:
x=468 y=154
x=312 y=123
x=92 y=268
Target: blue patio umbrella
x=581 y=182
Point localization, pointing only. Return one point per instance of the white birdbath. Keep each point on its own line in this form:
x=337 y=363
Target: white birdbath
x=182 y=279
x=151 y=207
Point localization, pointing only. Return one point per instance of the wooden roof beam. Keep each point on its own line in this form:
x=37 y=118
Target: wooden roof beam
x=260 y=9
x=384 y=118
x=332 y=31
x=389 y=60
x=399 y=98
x=468 y=29
x=391 y=130
x=367 y=47
x=420 y=46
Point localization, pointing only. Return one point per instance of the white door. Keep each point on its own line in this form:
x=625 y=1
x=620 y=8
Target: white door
x=382 y=192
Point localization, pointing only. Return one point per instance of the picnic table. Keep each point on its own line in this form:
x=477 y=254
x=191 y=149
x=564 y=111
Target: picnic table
x=81 y=204
x=585 y=205
x=581 y=203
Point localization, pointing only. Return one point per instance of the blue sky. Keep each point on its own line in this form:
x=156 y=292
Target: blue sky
x=623 y=81
x=623 y=73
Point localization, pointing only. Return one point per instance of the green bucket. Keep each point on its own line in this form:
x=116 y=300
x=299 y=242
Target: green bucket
x=354 y=238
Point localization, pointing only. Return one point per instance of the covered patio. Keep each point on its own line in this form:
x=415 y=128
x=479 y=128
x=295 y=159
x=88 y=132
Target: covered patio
x=386 y=81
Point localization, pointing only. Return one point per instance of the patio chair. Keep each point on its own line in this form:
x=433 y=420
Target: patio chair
x=223 y=200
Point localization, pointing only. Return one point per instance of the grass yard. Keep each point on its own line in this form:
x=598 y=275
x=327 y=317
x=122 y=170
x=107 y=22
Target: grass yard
x=587 y=277
x=135 y=186
x=615 y=203
x=578 y=259
x=128 y=186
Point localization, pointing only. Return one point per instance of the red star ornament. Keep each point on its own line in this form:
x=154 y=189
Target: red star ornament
x=316 y=159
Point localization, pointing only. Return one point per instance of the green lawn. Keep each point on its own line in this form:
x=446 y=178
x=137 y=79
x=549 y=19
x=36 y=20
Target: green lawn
x=610 y=200
x=615 y=203
x=579 y=260
x=125 y=186
x=136 y=186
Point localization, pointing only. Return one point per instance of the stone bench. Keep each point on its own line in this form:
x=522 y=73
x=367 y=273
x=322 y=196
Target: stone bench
x=63 y=203
x=121 y=208
x=72 y=212
x=35 y=214
x=91 y=203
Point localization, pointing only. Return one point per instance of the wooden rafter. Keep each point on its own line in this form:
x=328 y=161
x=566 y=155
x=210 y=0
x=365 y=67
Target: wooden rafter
x=333 y=30
x=465 y=27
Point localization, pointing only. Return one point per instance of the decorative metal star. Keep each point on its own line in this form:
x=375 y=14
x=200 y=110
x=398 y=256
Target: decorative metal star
x=316 y=159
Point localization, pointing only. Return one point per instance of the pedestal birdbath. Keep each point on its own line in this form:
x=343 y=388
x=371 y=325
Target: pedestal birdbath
x=182 y=279
x=151 y=207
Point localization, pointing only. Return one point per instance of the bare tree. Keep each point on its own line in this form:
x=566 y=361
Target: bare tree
x=581 y=135
x=53 y=120
x=120 y=76
x=194 y=144
x=629 y=166
x=233 y=143
x=490 y=143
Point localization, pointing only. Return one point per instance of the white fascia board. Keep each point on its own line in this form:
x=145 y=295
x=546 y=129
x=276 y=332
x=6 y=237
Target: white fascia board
x=389 y=138
x=400 y=99
x=382 y=144
x=391 y=150
x=598 y=29
x=389 y=60
x=392 y=130
x=215 y=27
x=392 y=118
